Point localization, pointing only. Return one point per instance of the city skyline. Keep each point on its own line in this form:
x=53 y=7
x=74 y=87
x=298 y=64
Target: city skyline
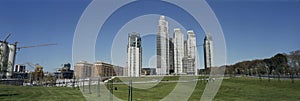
x=252 y=29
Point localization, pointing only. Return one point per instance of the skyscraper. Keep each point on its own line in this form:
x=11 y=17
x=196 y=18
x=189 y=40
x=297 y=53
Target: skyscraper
x=191 y=44
x=171 y=56
x=162 y=47
x=192 y=52
x=134 y=55
x=178 y=51
x=208 y=51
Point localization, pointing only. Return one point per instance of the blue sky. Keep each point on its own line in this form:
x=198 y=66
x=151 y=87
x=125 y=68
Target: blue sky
x=252 y=29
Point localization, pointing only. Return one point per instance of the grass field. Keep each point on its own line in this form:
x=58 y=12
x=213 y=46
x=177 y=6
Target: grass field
x=20 y=93
x=233 y=89
x=252 y=89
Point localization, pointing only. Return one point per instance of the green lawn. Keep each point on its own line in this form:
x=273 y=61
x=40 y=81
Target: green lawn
x=13 y=93
x=250 y=89
x=233 y=89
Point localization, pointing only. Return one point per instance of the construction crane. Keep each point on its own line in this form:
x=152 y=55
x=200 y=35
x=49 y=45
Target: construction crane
x=5 y=40
x=40 y=45
x=37 y=73
x=8 y=54
x=30 y=73
x=30 y=65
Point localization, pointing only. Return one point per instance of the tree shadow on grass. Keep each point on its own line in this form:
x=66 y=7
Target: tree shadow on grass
x=1 y=95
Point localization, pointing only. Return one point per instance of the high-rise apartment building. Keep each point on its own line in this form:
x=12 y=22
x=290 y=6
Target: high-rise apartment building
x=162 y=46
x=208 y=51
x=171 y=56
x=191 y=52
x=178 y=51
x=134 y=55
x=191 y=44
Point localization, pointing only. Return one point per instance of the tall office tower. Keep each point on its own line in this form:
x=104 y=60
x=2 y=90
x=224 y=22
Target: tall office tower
x=178 y=51
x=171 y=56
x=208 y=51
x=162 y=47
x=134 y=55
x=192 y=52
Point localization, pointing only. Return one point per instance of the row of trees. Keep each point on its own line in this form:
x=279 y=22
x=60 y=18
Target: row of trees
x=278 y=64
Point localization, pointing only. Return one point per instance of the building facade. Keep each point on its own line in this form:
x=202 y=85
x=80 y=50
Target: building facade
x=83 y=70
x=191 y=44
x=20 y=68
x=171 y=56
x=188 y=65
x=162 y=46
x=178 y=51
x=64 y=72
x=103 y=69
x=134 y=55
x=119 y=71
x=191 y=52
x=148 y=71
x=7 y=59
x=208 y=51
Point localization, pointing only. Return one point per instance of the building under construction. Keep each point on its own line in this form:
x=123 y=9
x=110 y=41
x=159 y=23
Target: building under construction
x=65 y=72
x=8 y=55
x=7 y=58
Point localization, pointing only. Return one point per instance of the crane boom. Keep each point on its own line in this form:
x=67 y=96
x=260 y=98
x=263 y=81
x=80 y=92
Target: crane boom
x=41 y=45
x=30 y=65
x=7 y=37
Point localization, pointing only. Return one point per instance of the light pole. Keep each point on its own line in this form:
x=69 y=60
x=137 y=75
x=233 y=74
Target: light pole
x=111 y=89
x=99 y=80
x=130 y=90
x=89 y=85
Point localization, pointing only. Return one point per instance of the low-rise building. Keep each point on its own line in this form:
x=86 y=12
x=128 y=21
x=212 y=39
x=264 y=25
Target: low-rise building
x=106 y=69
x=65 y=72
x=83 y=69
x=103 y=69
x=148 y=71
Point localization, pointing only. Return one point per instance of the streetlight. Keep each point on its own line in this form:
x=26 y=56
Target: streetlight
x=99 y=87
x=130 y=90
x=89 y=85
